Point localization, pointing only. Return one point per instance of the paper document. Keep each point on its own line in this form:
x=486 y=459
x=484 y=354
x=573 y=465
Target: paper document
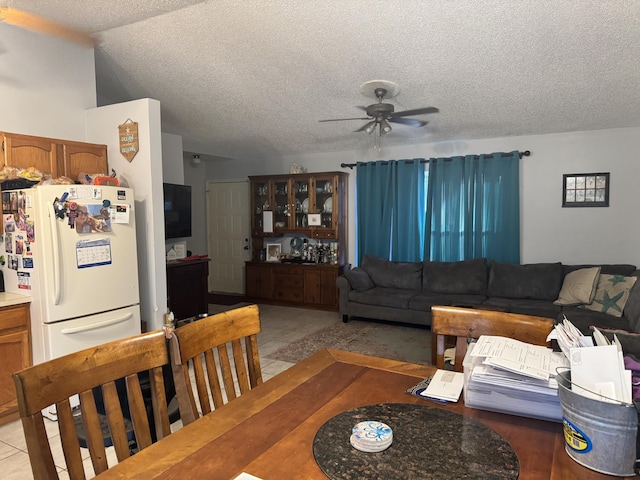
x=599 y=373
x=246 y=476
x=445 y=385
x=531 y=360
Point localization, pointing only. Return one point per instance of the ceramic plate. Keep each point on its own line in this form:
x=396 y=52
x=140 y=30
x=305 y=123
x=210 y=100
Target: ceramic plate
x=305 y=205
x=328 y=205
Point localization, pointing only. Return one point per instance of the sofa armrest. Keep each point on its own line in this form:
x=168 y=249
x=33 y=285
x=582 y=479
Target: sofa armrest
x=344 y=287
x=632 y=308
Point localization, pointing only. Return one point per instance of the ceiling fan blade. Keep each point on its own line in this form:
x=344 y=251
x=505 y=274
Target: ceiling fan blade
x=416 y=111
x=29 y=21
x=412 y=122
x=341 y=119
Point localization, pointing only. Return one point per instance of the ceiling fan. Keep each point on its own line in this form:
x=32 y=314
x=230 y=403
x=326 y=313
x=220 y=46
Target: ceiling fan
x=382 y=114
x=27 y=20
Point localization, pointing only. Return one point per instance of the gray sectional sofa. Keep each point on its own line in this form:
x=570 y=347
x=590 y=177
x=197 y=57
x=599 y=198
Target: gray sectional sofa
x=406 y=291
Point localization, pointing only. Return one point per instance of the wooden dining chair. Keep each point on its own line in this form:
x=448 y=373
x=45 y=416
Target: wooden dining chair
x=211 y=346
x=54 y=383
x=467 y=323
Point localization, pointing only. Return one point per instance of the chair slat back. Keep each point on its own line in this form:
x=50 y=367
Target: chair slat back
x=213 y=347
x=465 y=323
x=55 y=381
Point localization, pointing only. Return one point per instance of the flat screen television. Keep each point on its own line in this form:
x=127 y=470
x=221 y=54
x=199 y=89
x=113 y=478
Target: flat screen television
x=177 y=210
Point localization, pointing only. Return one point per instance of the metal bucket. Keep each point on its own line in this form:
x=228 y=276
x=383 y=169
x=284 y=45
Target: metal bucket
x=599 y=435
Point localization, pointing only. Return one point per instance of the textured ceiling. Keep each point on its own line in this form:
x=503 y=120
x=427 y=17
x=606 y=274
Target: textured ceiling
x=252 y=78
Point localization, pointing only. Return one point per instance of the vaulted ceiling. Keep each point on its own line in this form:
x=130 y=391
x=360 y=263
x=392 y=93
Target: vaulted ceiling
x=252 y=78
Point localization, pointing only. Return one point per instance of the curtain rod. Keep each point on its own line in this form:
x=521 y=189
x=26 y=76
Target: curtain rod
x=526 y=153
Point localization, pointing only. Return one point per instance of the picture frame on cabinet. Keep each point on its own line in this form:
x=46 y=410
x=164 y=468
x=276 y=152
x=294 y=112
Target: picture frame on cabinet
x=274 y=250
x=313 y=219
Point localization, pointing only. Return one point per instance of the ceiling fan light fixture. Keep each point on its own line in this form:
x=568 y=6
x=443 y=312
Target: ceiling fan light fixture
x=370 y=127
x=385 y=127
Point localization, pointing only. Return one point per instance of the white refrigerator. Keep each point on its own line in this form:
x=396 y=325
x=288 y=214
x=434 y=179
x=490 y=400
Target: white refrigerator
x=72 y=248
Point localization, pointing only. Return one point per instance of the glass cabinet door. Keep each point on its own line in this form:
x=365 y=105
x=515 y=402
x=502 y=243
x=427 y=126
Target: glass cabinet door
x=301 y=202
x=260 y=201
x=324 y=200
x=281 y=205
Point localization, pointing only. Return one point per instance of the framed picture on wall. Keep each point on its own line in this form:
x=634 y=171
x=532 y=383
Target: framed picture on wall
x=585 y=190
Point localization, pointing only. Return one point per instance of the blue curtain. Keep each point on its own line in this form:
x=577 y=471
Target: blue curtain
x=473 y=208
x=390 y=202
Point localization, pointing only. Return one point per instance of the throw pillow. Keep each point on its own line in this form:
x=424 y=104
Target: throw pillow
x=579 y=287
x=612 y=294
x=359 y=279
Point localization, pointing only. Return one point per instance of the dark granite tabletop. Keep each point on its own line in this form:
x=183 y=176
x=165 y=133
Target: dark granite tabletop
x=428 y=443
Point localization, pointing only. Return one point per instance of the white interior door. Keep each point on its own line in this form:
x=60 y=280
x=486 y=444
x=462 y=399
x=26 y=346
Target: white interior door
x=229 y=237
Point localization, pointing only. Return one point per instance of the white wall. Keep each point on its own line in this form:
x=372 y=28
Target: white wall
x=144 y=175
x=548 y=231
x=46 y=84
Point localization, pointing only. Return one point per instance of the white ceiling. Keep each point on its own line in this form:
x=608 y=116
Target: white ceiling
x=252 y=78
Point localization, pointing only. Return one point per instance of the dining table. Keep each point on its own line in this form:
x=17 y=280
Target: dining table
x=269 y=432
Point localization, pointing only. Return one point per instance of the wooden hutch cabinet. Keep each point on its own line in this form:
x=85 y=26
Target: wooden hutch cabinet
x=50 y=155
x=309 y=206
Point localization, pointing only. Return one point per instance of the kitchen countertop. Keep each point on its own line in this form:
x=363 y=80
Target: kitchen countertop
x=8 y=299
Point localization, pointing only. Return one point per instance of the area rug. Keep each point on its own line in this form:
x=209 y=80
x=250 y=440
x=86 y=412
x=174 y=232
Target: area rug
x=397 y=342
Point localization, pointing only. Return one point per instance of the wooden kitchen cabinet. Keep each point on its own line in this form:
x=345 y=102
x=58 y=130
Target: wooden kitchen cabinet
x=15 y=352
x=81 y=157
x=54 y=156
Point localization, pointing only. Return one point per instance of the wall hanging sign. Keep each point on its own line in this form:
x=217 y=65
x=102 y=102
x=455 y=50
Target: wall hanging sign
x=585 y=190
x=128 y=135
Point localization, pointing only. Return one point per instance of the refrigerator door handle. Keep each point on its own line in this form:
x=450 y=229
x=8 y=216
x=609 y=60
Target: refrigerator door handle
x=56 y=255
x=95 y=326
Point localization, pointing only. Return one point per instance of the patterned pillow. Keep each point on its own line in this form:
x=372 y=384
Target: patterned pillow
x=579 y=287
x=612 y=294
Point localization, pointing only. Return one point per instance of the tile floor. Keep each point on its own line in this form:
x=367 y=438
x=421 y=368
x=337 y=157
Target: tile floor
x=276 y=332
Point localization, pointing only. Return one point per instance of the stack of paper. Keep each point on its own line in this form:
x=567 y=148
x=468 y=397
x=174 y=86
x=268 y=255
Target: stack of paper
x=509 y=376
x=598 y=371
x=568 y=336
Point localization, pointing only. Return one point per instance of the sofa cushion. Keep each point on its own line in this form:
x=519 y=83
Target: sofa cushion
x=579 y=287
x=383 y=297
x=539 y=281
x=632 y=308
x=611 y=294
x=388 y=274
x=605 y=268
x=463 y=277
x=524 y=306
x=359 y=279
x=629 y=341
x=425 y=301
x=584 y=319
